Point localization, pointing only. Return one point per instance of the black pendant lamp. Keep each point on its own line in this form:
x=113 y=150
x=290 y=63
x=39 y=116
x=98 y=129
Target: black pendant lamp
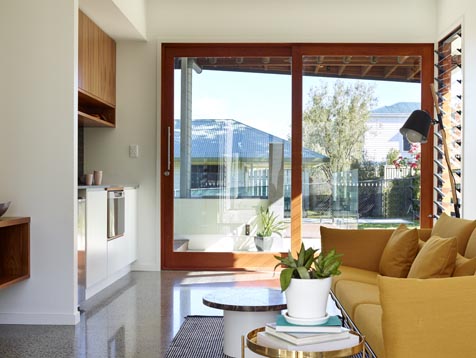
x=417 y=126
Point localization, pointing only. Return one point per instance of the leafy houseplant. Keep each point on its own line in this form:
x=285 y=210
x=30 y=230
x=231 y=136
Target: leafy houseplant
x=308 y=277
x=324 y=265
x=268 y=224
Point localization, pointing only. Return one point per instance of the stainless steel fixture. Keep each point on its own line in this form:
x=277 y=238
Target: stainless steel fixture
x=115 y=213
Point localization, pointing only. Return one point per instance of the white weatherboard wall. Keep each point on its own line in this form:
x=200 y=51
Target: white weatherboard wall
x=139 y=72
x=38 y=134
x=136 y=123
x=452 y=13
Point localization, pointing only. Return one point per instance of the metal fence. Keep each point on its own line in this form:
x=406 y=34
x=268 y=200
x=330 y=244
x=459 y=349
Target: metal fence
x=377 y=198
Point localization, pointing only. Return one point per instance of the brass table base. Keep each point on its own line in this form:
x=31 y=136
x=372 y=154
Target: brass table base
x=251 y=343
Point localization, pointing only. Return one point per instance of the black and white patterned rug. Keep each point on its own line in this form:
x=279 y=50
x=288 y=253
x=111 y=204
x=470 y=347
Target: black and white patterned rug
x=200 y=337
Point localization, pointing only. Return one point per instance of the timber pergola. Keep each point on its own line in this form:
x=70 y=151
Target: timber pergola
x=388 y=68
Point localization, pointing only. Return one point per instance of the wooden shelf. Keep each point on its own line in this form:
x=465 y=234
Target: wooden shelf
x=6 y=281
x=89 y=106
x=86 y=120
x=11 y=221
x=14 y=250
x=90 y=100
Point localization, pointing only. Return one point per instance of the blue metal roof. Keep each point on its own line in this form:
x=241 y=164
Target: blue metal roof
x=400 y=107
x=215 y=138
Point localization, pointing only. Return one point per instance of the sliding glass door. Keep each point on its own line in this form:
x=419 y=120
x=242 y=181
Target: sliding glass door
x=232 y=153
x=353 y=108
x=249 y=167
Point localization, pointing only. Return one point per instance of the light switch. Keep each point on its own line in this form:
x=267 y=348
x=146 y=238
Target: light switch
x=134 y=151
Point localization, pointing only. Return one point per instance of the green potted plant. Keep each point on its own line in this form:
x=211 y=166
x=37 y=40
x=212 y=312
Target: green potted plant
x=306 y=281
x=268 y=224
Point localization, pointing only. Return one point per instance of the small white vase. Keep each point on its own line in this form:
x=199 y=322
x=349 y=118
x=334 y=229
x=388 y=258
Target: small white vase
x=97 y=177
x=308 y=298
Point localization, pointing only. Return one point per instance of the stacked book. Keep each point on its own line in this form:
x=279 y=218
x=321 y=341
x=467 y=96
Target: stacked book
x=325 y=337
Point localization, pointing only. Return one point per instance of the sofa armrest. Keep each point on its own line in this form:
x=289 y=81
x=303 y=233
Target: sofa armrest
x=428 y=318
x=361 y=248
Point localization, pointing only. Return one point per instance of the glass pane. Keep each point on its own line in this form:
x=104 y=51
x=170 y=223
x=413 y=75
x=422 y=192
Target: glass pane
x=232 y=154
x=353 y=108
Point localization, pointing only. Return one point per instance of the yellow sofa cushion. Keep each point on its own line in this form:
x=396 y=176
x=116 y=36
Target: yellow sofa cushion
x=432 y=318
x=464 y=266
x=399 y=253
x=436 y=259
x=354 y=274
x=471 y=246
x=420 y=244
x=352 y=293
x=447 y=226
x=368 y=319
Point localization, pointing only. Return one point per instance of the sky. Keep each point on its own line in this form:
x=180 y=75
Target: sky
x=263 y=101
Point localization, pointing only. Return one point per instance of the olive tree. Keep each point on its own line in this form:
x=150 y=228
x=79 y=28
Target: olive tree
x=334 y=122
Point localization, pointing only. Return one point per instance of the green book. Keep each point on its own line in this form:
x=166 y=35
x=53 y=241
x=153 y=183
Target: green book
x=333 y=325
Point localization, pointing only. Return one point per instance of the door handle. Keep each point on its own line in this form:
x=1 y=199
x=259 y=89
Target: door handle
x=167 y=172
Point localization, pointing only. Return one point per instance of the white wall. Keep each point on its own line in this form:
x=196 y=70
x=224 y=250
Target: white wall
x=451 y=13
x=120 y=19
x=134 y=11
x=136 y=123
x=292 y=21
x=38 y=143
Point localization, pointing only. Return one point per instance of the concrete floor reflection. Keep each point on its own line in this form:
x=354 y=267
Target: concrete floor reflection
x=137 y=316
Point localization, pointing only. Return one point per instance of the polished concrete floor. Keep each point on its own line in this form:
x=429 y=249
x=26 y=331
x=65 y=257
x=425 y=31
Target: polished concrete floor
x=135 y=317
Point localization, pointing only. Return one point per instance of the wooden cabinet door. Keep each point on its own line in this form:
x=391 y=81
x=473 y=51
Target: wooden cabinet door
x=96 y=61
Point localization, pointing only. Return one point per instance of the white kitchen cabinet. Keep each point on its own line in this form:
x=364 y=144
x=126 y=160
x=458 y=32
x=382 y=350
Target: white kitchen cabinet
x=107 y=261
x=117 y=254
x=131 y=223
x=96 y=236
x=122 y=250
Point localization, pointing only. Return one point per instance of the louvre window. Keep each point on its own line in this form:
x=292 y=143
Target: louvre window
x=450 y=100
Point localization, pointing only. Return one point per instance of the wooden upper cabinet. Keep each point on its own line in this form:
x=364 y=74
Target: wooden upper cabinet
x=96 y=75
x=97 y=61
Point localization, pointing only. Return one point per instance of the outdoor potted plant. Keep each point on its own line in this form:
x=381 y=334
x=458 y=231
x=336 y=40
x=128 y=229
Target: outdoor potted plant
x=306 y=282
x=268 y=224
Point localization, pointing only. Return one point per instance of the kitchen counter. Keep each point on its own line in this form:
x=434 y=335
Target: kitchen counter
x=104 y=187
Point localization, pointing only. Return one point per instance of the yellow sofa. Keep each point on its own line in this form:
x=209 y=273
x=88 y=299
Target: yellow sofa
x=403 y=317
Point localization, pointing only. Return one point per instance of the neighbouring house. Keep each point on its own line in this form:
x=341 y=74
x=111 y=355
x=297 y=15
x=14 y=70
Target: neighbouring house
x=383 y=130
x=227 y=155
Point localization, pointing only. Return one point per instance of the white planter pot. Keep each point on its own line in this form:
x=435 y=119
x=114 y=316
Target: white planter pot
x=308 y=298
x=269 y=243
x=263 y=243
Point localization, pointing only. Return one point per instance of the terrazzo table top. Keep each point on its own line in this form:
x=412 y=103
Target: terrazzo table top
x=246 y=299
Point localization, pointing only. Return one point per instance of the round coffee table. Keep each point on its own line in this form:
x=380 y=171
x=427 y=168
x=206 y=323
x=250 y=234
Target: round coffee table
x=243 y=310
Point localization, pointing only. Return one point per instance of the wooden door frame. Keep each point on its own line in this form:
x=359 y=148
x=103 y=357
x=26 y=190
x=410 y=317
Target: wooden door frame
x=244 y=260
